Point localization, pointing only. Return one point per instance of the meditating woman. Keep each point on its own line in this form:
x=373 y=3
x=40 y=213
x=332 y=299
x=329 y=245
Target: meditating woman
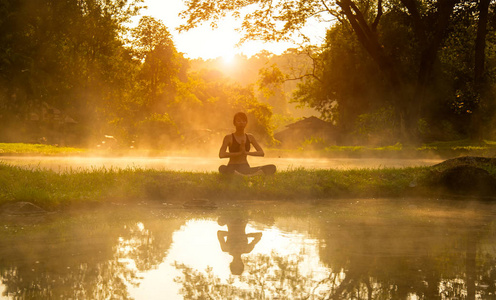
x=239 y=145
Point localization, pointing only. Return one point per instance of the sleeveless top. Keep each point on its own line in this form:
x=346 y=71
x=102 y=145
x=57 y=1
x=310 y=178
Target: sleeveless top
x=235 y=145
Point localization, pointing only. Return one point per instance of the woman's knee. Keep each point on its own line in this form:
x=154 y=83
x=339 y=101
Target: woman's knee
x=223 y=169
x=269 y=169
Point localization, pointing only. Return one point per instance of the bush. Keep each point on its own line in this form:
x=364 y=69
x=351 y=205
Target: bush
x=157 y=131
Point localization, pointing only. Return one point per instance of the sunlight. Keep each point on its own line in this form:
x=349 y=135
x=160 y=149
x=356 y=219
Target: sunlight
x=203 y=42
x=201 y=234
x=2 y=287
x=228 y=58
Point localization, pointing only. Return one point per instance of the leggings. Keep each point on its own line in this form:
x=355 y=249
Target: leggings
x=246 y=169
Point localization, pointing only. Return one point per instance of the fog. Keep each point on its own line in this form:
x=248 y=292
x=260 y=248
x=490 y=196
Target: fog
x=411 y=249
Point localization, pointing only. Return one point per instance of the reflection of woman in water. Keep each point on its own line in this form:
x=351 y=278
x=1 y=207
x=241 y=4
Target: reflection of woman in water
x=239 y=148
x=235 y=241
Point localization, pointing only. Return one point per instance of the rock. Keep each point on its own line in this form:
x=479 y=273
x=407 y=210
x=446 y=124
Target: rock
x=468 y=180
x=466 y=160
x=22 y=209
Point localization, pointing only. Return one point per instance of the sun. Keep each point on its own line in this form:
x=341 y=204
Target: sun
x=228 y=57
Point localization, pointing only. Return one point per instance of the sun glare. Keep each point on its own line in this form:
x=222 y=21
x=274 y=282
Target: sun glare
x=203 y=42
x=228 y=58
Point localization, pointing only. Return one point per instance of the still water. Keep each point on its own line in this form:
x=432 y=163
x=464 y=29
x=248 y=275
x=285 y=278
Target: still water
x=204 y=164
x=343 y=249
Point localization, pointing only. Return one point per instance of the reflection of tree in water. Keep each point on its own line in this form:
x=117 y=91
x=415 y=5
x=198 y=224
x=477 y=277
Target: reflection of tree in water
x=79 y=257
x=433 y=274
x=266 y=277
x=375 y=258
x=393 y=259
x=146 y=242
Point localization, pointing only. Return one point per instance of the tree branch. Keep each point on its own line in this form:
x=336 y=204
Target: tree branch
x=378 y=17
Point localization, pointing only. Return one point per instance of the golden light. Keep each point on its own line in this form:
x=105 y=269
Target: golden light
x=228 y=58
x=203 y=42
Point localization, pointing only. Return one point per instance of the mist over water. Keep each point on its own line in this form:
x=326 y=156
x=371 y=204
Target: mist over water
x=205 y=164
x=411 y=249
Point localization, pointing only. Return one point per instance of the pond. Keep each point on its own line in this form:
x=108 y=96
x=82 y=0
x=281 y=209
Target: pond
x=205 y=164
x=341 y=249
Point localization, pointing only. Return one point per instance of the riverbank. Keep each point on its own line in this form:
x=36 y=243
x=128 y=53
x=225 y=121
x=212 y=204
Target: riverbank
x=437 y=150
x=54 y=190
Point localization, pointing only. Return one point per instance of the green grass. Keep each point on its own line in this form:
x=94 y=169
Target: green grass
x=53 y=190
x=398 y=150
x=431 y=150
x=38 y=149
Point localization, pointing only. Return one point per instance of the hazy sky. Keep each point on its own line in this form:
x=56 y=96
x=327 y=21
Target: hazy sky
x=205 y=43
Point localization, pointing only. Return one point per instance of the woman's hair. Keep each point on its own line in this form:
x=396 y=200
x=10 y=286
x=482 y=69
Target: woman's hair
x=240 y=115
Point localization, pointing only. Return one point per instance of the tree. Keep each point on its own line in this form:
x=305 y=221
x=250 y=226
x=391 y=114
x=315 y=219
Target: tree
x=208 y=100
x=161 y=63
x=60 y=53
x=479 y=70
x=270 y=85
x=278 y=21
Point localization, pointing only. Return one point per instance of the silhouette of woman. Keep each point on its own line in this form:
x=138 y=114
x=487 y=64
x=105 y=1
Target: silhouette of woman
x=235 y=241
x=239 y=148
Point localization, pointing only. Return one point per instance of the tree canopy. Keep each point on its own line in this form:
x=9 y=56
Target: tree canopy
x=404 y=46
x=388 y=71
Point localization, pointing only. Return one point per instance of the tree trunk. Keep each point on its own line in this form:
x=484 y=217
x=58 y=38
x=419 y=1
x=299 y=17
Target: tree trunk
x=408 y=103
x=479 y=80
x=367 y=36
x=430 y=39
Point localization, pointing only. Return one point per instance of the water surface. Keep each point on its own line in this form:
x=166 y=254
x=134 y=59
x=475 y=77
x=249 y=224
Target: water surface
x=377 y=248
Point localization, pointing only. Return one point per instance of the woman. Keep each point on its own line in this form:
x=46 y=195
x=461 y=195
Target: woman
x=239 y=145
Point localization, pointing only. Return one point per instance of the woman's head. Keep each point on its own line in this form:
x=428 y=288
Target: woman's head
x=240 y=119
x=237 y=266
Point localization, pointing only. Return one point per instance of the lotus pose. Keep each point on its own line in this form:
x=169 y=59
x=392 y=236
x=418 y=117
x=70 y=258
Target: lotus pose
x=239 y=145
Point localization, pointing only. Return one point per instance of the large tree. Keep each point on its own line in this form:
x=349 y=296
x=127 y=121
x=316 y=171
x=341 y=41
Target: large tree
x=269 y=20
x=60 y=54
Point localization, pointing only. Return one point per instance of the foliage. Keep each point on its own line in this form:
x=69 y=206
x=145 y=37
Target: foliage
x=313 y=143
x=80 y=60
x=376 y=128
x=416 y=57
x=66 y=54
x=413 y=59
x=157 y=131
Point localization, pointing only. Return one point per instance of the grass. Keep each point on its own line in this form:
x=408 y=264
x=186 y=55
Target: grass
x=430 y=150
x=38 y=149
x=52 y=190
x=436 y=149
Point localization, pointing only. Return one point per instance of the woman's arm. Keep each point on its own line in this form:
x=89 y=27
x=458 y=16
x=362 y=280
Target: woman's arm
x=223 y=149
x=259 y=151
x=221 y=236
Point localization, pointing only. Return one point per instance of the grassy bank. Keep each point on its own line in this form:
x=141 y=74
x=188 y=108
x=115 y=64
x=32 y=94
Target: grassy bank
x=432 y=150
x=52 y=190
x=37 y=149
